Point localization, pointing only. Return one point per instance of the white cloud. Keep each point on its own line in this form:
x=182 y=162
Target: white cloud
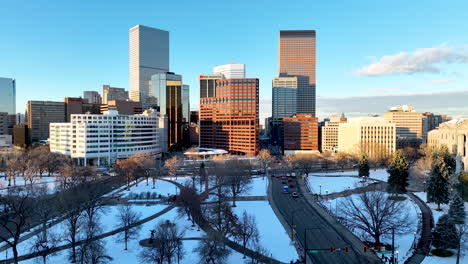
x=420 y=61
x=385 y=89
x=442 y=81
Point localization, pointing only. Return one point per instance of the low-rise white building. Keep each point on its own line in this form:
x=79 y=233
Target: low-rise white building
x=101 y=140
x=6 y=140
x=452 y=134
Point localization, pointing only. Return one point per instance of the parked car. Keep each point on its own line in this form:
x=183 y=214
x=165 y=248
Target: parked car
x=294 y=195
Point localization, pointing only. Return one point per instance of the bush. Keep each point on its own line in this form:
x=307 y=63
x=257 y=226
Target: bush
x=444 y=253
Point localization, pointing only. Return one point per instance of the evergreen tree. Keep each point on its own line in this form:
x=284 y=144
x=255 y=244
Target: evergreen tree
x=437 y=186
x=364 y=166
x=457 y=209
x=398 y=174
x=445 y=235
x=449 y=160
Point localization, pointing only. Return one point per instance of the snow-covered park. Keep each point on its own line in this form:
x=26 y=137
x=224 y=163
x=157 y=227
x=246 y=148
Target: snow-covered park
x=48 y=182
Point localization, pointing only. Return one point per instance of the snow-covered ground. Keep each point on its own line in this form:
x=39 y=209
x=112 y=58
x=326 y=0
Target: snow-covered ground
x=437 y=214
x=273 y=237
x=403 y=242
x=163 y=188
x=258 y=187
x=50 y=182
x=108 y=222
x=378 y=174
x=334 y=184
x=115 y=249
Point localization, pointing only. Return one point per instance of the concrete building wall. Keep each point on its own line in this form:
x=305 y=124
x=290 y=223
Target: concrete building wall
x=113 y=93
x=41 y=114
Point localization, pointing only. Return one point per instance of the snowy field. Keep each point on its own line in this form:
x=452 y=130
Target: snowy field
x=437 y=214
x=273 y=237
x=334 y=184
x=378 y=174
x=108 y=222
x=403 y=242
x=163 y=188
x=50 y=182
x=258 y=187
x=115 y=249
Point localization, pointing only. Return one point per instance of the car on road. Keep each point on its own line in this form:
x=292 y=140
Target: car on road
x=283 y=182
x=273 y=176
x=294 y=195
x=292 y=185
x=285 y=189
x=290 y=180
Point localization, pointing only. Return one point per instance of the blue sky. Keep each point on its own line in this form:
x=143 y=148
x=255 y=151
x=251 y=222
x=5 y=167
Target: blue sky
x=62 y=48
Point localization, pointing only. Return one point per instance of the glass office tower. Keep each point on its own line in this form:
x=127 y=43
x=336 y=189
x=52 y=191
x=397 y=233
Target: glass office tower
x=8 y=95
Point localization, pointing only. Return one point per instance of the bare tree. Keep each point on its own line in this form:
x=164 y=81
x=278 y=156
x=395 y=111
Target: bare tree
x=212 y=251
x=172 y=165
x=145 y=163
x=44 y=244
x=375 y=214
x=247 y=232
x=302 y=162
x=18 y=210
x=13 y=167
x=462 y=237
x=126 y=169
x=237 y=179
x=342 y=159
x=167 y=246
x=127 y=218
x=188 y=200
x=265 y=159
x=222 y=219
x=93 y=252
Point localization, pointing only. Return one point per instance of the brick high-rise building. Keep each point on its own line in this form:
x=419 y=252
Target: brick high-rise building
x=41 y=114
x=300 y=134
x=229 y=120
x=297 y=58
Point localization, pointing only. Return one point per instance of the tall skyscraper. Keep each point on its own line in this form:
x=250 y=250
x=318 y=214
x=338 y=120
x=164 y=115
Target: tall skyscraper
x=149 y=55
x=284 y=97
x=207 y=84
x=297 y=58
x=166 y=93
x=231 y=70
x=92 y=97
x=229 y=120
x=112 y=93
x=8 y=95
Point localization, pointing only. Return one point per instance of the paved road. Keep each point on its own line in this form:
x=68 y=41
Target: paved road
x=321 y=234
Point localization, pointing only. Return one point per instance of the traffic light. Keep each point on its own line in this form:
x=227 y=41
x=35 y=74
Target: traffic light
x=346 y=249
x=332 y=249
x=365 y=249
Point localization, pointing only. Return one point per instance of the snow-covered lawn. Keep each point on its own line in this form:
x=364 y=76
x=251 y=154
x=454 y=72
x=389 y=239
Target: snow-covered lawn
x=273 y=237
x=334 y=184
x=437 y=214
x=403 y=242
x=258 y=187
x=50 y=182
x=378 y=174
x=115 y=249
x=108 y=221
x=163 y=188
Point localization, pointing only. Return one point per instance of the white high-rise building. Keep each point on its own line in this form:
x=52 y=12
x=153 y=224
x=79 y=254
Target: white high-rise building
x=231 y=70
x=101 y=140
x=149 y=55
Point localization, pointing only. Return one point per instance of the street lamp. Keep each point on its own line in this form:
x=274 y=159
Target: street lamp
x=326 y=192
x=320 y=190
x=396 y=256
x=414 y=241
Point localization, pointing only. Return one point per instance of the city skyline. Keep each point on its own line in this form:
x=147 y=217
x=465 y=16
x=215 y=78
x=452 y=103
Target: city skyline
x=369 y=65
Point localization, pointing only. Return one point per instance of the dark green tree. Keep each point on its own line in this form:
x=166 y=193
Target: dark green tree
x=438 y=186
x=445 y=235
x=398 y=174
x=364 y=166
x=457 y=209
x=449 y=160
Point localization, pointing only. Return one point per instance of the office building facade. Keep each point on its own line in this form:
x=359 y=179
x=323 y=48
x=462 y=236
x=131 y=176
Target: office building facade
x=8 y=95
x=454 y=135
x=301 y=134
x=229 y=120
x=149 y=55
x=431 y=122
x=123 y=107
x=101 y=140
x=113 y=93
x=78 y=105
x=409 y=125
x=296 y=54
x=374 y=136
x=92 y=97
x=41 y=114
x=329 y=133
x=4 y=122
x=166 y=93
x=207 y=84
x=230 y=71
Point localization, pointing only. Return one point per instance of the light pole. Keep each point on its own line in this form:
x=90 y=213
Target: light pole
x=396 y=256
x=320 y=193
x=326 y=192
x=414 y=241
